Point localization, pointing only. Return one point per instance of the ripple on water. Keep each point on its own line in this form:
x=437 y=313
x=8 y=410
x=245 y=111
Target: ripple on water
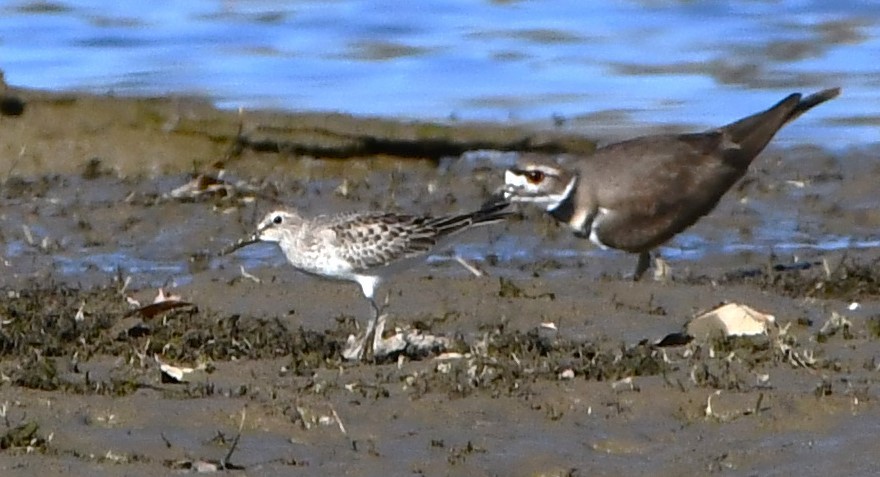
x=662 y=64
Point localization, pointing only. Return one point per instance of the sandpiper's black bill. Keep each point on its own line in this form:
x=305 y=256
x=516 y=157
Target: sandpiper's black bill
x=244 y=242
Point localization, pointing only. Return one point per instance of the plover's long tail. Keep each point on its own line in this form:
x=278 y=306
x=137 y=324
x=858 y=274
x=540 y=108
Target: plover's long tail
x=812 y=100
x=751 y=134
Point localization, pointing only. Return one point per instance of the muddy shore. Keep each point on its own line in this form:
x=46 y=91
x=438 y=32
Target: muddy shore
x=86 y=179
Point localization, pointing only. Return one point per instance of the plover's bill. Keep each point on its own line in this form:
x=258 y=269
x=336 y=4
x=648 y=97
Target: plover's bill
x=364 y=248
x=637 y=194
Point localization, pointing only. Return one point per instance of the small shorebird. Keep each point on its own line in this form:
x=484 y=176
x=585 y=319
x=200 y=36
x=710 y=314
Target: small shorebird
x=365 y=248
x=637 y=194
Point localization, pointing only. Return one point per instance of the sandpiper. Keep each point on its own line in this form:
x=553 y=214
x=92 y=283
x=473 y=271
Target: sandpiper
x=365 y=248
x=637 y=194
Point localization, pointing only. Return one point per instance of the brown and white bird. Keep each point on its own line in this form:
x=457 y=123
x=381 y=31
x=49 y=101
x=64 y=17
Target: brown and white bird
x=637 y=194
x=365 y=248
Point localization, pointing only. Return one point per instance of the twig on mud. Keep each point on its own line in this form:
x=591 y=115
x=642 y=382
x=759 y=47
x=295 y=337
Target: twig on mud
x=4 y=413
x=247 y=275
x=28 y=236
x=708 y=411
x=14 y=164
x=125 y=283
x=826 y=268
x=338 y=420
x=225 y=463
x=235 y=147
x=464 y=263
x=165 y=440
x=841 y=264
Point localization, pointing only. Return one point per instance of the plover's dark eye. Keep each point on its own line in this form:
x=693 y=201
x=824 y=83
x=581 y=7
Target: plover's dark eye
x=534 y=176
x=277 y=220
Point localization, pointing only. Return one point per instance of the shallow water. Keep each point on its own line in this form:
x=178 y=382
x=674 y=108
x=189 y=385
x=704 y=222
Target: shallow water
x=602 y=68
x=515 y=250
x=763 y=220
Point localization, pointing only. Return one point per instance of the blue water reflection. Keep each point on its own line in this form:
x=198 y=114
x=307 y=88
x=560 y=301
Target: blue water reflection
x=656 y=62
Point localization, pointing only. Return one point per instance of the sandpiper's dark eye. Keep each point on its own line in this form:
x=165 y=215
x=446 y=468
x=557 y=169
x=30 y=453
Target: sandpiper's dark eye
x=277 y=220
x=534 y=176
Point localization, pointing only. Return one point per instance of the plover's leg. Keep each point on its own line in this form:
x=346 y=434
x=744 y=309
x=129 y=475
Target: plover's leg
x=642 y=265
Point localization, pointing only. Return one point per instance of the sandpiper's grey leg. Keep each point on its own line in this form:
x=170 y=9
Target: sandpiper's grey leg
x=377 y=345
x=370 y=334
x=362 y=348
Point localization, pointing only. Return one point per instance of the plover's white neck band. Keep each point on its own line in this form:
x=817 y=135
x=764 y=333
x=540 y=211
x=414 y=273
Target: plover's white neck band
x=558 y=199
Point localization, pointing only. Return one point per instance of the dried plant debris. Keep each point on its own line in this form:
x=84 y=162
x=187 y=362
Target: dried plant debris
x=506 y=363
x=508 y=289
x=40 y=332
x=211 y=465
x=161 y=304
x=179 y=374
x=732 y=319
x=727 y=407
x=40 y=328
x=208 y=187
x=873 y=326
x=311 y=417
x=835 y=324
x=401 y=342
x=44 y=346
x=23 y=436
x=729 y=320
x=848 y=280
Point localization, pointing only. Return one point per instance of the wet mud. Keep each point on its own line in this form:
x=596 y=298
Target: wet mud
x=554 y=367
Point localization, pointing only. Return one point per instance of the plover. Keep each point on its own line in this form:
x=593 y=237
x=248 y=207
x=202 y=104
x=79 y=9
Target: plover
x=637 y=194
x=365 y=248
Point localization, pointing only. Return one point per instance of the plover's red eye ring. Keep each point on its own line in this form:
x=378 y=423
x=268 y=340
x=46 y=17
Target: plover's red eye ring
x=534 y=176
x=277 y=220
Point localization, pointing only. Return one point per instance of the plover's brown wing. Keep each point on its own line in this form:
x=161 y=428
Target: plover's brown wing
x=657 y=186
x=666 y=186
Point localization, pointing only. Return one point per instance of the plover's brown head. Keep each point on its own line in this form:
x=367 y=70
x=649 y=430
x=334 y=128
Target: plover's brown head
x=538 y=180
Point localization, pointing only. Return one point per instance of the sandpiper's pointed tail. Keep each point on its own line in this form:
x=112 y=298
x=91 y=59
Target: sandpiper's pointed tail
x=753 y=133
x=492 y=211
x=489 y=213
